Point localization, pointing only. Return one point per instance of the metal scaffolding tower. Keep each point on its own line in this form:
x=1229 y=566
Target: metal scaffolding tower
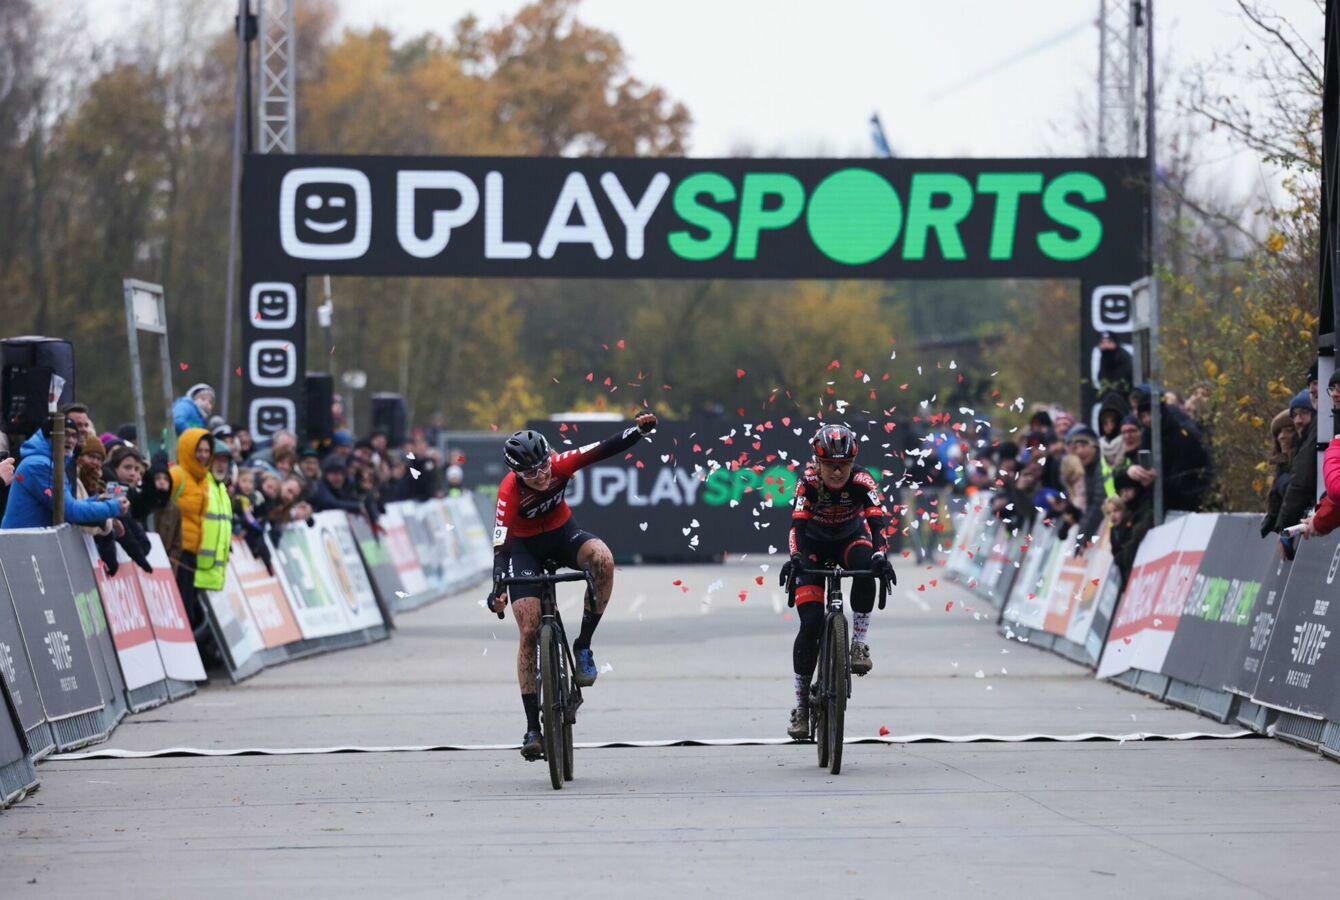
x=1121 y=77
x=276 y=108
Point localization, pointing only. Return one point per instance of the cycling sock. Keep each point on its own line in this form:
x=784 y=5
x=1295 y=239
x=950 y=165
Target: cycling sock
x=532 y=704
x=860 y=624
x=589 y=622
x=802 y=690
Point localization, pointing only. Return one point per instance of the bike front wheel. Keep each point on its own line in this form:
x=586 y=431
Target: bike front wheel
x=551 y=704
x=839 y=678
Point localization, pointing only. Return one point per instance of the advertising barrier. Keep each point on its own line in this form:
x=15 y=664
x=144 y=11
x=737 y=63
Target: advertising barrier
x=132 y=635
x=17 y=775
x=20 y=680
x=343 y=565
x=88 y=603
x=1301 y=670
x=414 y=591
x=381 y=568
x=53 y=636
x=270 y=609
x=236 y=629
x=167 y=618
x=83 y=645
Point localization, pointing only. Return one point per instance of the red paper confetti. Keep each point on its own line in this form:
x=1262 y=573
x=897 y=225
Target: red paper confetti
x=758 y=579
x=739 y=373
x=883 y=731
x=949 y=606
x=184 y=367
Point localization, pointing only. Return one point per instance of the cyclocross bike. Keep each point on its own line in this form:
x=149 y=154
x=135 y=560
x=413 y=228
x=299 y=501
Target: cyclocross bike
x=559 y=697
x=832 y=687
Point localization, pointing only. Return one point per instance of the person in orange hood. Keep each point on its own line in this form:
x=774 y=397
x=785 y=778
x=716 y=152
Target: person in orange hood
x=190 y=492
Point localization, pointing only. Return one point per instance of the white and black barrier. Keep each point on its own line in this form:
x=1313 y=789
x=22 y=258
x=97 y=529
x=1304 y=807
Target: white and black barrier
x=1047 y=594
x=80 y=646
x=338 y=581
x=1212 y=618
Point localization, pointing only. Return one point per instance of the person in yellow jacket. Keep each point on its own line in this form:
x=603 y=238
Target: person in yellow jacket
x=190 y=492
x=216 y=536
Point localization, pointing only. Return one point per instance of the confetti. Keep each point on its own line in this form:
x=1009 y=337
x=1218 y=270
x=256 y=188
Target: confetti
x=883 y=731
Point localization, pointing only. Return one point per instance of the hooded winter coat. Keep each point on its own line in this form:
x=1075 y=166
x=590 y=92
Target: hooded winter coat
x=1113 y=448
x=185 y=415
x=190 y=487
x=31 y=499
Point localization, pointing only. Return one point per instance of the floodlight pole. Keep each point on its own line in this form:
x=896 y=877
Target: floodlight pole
x=235 y=188
x=1156 y=390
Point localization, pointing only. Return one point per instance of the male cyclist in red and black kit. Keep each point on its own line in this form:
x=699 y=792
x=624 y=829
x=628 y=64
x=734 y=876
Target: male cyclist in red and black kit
x=838 y=517
x=534 y=525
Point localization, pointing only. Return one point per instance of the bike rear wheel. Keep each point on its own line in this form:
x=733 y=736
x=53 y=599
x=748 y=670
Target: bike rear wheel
x=839 y=672
x=551 y=703
x=819 y=706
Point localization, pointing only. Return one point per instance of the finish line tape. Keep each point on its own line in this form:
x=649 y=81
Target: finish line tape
x=1083 y=737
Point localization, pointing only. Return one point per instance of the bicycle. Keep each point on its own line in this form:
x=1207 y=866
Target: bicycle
x=832 y=687
x=559 y=697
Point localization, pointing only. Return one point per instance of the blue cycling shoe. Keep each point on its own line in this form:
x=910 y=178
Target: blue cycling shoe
x=586 y=668
x=532 y=746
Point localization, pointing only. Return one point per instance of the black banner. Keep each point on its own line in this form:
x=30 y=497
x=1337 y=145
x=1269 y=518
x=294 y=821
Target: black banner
x=1301 y=671
x=697 y=489
x=554 y=217
x=52 y=633
x=560 y=217
x=89 y=604
x=15 y=666
x=1221 y=603
x=385 y=578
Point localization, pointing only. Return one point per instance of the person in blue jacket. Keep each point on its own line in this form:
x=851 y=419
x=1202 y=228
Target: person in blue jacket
x=194 y=409
x=31 y=499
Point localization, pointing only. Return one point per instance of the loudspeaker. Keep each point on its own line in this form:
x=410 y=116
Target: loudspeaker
x=320 y=425
x=391 y=415
x=29 y=362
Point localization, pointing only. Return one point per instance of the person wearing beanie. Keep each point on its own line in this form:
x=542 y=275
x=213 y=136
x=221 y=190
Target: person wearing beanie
x=1185 y=473
x=1285 y=437
x=1082 y=444
x=1301 y=491
x=92 y=456
x=330 y=489
x=194 y=409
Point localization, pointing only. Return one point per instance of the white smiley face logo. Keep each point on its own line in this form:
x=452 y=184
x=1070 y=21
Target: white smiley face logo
x=271 y=414
x=273 y=364
x=325 y=213
x=338 y=203
x=274 y=304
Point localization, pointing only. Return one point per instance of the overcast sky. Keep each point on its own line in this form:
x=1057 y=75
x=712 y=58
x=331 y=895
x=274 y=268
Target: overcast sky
x=802 y=78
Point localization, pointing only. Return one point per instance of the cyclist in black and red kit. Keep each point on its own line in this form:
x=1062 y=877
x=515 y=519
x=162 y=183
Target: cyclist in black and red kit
x=534 y=525
x=838 y=517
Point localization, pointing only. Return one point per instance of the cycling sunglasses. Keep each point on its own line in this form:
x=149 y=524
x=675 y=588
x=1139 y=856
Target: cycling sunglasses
x=536 y=470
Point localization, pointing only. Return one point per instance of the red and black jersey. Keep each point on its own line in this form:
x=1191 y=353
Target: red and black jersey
x=837 y=515
x=523 y=512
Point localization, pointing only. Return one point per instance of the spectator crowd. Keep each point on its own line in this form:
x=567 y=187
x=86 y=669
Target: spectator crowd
x=1074 y=478
x=222 y=485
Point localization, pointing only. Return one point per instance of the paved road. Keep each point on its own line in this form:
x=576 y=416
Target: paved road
x=1231 y=818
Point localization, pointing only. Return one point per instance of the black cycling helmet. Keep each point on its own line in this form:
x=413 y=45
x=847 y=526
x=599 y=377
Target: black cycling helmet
x=525 y=450
x=834 y=442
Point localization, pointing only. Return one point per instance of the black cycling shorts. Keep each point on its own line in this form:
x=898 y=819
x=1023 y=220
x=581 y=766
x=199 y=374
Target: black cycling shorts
x=529 y=555
x=851 y=551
